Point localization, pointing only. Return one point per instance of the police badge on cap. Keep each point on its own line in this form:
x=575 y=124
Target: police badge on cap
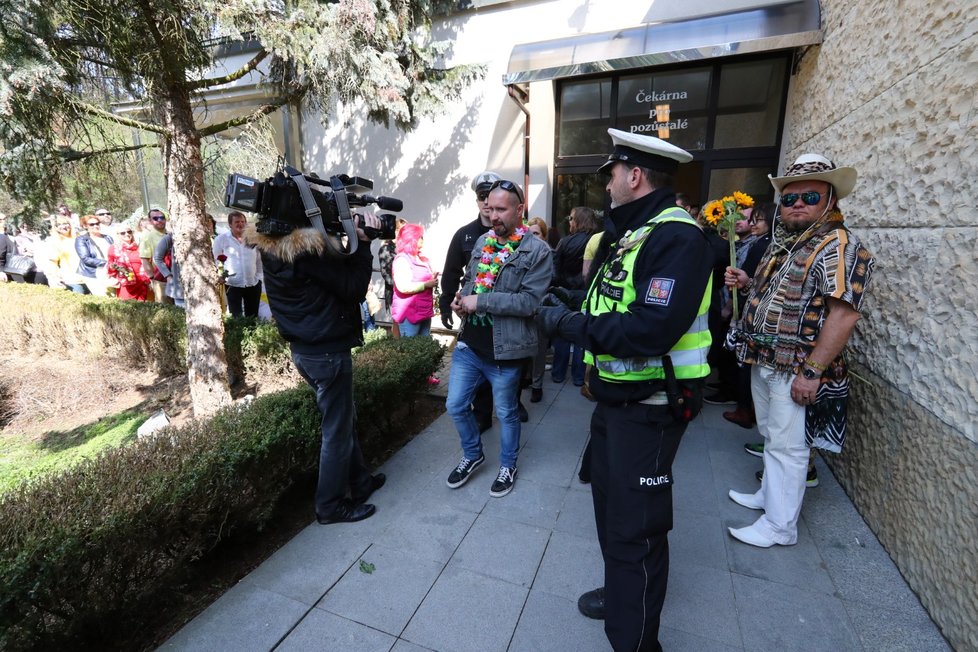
x=644 y=151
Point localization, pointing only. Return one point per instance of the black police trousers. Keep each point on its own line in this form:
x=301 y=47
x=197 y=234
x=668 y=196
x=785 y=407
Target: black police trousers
x=633 y=447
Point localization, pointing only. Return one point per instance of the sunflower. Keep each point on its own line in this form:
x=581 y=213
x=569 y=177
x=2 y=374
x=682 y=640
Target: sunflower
x=743 y=200
x=713 y=212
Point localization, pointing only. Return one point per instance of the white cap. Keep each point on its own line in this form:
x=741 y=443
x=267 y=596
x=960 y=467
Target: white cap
x=644 y=151
x=486 y=179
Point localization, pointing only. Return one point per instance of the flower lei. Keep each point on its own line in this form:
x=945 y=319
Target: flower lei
x=494 y=255
x=722 y=214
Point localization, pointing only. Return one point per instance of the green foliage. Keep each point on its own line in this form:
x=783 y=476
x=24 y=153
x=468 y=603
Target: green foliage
x=65 y=62
x=21 y=459
x=89 y=554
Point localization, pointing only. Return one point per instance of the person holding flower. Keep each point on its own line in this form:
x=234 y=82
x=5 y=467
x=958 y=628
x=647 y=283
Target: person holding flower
x=126 y=266
x=802 y=307
x=504 y=283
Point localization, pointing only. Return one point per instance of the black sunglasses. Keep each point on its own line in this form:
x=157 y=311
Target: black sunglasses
x=158 y=218
x=482 y=195
x=810 y=198
x=508 y=186
x=94 y=224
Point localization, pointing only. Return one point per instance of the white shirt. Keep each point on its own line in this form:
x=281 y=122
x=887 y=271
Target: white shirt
x=243 y=264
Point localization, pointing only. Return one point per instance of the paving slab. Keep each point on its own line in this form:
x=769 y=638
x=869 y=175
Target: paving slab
x=502 y=549
x=245 y=618
x=382 y=589
x=467 y=612
x=325 y=631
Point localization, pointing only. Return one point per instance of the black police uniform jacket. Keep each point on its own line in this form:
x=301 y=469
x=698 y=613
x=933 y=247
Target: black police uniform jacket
x=676 y=251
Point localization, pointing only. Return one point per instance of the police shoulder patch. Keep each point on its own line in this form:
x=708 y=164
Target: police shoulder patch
x=660 y=290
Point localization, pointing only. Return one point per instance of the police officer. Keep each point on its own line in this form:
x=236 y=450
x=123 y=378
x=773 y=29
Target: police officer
x=643 y=325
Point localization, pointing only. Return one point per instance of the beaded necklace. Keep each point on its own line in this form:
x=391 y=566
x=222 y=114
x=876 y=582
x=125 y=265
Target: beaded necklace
x=494 y=255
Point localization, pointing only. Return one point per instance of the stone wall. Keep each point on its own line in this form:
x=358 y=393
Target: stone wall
x=891 y=91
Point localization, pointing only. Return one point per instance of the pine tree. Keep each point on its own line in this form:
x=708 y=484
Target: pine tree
x=66 y=61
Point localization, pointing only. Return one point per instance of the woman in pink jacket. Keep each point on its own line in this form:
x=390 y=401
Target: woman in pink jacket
x=414 y=282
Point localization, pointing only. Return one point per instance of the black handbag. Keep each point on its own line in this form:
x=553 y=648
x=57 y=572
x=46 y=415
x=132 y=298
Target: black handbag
x=19 y=264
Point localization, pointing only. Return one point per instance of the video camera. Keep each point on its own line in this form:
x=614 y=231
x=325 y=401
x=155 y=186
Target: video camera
x=292 y=200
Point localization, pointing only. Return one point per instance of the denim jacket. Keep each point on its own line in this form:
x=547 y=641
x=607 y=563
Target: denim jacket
x=520 y=286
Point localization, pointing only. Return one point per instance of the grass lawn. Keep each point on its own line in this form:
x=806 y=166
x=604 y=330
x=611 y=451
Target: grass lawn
x=22 y=457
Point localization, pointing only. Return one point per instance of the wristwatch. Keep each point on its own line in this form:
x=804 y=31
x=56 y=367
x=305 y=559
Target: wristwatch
x=809 y=373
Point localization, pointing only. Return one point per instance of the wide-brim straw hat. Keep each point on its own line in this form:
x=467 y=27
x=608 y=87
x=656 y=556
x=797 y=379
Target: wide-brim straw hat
x=815 y=167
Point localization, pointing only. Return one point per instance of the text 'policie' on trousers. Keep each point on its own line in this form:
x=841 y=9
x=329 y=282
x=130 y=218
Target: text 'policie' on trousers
x=633 y=448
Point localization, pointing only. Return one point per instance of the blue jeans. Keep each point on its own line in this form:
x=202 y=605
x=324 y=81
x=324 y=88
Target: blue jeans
x=468 y=372
x=422 y=328
x=562 y=353
x=341 y=462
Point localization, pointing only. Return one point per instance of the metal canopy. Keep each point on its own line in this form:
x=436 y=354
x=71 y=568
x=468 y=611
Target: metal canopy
x=778 y=26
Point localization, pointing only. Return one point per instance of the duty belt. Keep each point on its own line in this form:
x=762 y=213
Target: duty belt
x=659 y=398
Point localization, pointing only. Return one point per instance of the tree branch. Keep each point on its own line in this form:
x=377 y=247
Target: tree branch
x=71 y=155
x=234 y=76
x=118 y=119
x=263 y=110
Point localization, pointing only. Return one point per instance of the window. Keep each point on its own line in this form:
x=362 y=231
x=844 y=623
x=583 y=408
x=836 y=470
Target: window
x=671 y=106
x=748 y=109
x=585 y=114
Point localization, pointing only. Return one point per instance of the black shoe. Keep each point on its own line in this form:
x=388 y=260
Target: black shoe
x=504 y=482
x=524 y=415
x=536 y=394
x=347 y=512
x=719 y=398
x=591 y=604
x=376 y=482
x=463 y=471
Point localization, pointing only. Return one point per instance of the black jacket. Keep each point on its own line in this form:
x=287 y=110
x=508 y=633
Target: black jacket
x=569 y=260
x=459 y=253
x=315 y=299
x=678 y=252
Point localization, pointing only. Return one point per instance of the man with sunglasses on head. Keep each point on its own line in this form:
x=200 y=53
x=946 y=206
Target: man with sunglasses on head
x=147 y=247
x=802 y=307
x=459 y=253
x=507 y=275
x=644 y=328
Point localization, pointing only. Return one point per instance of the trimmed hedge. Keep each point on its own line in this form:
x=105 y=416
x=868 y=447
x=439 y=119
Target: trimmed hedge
x=45 y=321
x=88 y=553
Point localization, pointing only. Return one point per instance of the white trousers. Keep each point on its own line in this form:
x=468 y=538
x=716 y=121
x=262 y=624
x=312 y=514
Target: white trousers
x=781 y=421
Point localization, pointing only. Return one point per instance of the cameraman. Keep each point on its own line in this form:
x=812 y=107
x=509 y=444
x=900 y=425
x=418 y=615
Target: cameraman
x=315 y=300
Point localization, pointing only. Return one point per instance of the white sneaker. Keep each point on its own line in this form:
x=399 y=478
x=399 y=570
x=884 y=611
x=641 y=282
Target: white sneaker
x=750 y=501
x=750 y=536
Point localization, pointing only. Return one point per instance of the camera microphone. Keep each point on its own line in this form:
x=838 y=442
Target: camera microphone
x=385 y=203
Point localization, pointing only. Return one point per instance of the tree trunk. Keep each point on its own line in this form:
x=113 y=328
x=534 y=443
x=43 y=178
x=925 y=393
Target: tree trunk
x=183 y=166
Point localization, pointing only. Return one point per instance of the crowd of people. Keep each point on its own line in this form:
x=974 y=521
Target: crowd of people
x=130 y=260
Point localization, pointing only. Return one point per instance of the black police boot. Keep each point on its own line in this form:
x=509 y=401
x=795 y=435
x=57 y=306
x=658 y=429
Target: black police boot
x=591 y=604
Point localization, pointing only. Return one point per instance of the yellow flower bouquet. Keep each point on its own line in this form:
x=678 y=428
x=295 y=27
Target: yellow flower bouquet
x=722 y=214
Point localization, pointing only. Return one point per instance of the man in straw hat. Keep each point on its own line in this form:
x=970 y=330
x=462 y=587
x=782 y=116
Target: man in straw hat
x=644 y=328
x=802 y=306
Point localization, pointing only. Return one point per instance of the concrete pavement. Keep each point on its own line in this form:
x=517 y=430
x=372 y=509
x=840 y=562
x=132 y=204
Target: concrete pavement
x=456 y=570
